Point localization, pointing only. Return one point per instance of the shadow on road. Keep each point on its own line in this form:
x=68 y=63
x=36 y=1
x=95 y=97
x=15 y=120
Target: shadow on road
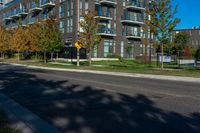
x=73 y=108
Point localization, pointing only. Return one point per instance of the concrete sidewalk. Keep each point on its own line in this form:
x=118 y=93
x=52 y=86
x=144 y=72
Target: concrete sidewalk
x=24 y=119
x=134 y=75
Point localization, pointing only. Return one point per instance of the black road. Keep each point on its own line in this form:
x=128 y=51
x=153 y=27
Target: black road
x=89 y=103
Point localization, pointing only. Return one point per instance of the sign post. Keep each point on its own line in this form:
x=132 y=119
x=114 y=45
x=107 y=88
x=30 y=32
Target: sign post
x=78 y=46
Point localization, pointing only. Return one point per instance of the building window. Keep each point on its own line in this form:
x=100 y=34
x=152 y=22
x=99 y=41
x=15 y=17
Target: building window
x=62 y=11
x=109 y=47
x=61 y=26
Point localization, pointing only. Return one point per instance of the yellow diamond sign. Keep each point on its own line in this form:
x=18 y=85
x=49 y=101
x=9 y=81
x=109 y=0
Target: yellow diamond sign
x=78 y=44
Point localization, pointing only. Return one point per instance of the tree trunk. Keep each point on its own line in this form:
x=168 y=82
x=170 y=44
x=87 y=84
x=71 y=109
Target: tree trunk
x=56 y=55
x=162 y=64
x=3 y=55
x=18 y=56
x=36 y=54
x=45 y=57
x=150 y=48
x=90 y=57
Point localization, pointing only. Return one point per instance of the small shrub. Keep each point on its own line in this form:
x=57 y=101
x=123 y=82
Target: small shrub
x=113 y=56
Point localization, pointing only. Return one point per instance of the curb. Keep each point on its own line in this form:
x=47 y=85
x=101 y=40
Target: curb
x=133 y=75
x=24 y=119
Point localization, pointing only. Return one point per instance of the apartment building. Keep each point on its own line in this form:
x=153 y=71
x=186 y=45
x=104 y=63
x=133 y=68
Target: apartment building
x=121 y=21
x=194 y=35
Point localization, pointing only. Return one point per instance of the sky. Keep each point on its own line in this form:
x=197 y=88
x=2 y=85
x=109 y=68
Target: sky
x=189 y=13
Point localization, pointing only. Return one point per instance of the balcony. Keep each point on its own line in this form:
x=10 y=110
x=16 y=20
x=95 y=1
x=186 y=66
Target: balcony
x=130 y=34
x=7 y=17
x=47 y=4
x=104 y=16
x=108 y=2
x=1 y=2
x=35 y=8
x=23 y=12
x=15 y=14
x=133 y=19
x=106 y=32
x=135 y=5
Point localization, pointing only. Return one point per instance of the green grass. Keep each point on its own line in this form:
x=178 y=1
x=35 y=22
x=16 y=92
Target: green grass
x=4 y=124
x=129 y=66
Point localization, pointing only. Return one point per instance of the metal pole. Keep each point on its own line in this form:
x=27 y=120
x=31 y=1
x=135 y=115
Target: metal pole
x=78 y=57
x=77 y=34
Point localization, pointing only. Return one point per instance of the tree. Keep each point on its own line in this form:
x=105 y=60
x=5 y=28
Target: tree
x=188 y=52
x=129 y=49
x=197 y=54
x=4 y=40
x=151 y=22
x=166 y=22
x=89 y=36
x=55 y=44
x=180 y=40
x=19 y=40
x=43 y=39
x=33 y=32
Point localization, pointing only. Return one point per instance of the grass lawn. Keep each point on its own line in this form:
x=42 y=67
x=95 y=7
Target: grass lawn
x=130 y=66
x=4 y=124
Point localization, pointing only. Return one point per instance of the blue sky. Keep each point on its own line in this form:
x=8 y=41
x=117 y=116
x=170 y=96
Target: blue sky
x=188 y=12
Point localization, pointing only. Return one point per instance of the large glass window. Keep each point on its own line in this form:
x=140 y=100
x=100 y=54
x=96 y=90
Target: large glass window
x=109 y=47
x=62 y=11
x=61 y=26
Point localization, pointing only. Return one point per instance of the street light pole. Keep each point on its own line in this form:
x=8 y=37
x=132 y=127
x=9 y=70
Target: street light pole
x=77 y=34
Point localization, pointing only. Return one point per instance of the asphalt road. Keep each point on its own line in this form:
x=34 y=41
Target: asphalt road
x=89 y=103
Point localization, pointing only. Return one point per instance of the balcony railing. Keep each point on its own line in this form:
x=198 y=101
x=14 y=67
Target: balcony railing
x=106 y=32
x=132 y=19
x=104 y=15
x=15 y=14
x=23 y=12
x=108 y=2
x=47 y=4
x=35 y=7
x=133 y=34
x=1 y=2
x=135 y=5
x=7 y=16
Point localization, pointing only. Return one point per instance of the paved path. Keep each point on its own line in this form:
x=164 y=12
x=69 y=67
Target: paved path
x=77 y=102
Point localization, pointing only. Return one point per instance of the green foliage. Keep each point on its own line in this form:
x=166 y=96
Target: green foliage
x=129 y=49
x=164 y=20
x=197 y=54
x=181 y=39
x=113 y=56
x=89 y=35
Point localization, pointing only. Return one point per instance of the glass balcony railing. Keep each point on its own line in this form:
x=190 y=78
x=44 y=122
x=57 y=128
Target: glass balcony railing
x=132 y=18
x=135 y=4
x=1 y=2
x=106 y=31
x=47 y=3
x=23 y=11
x=103 y=15
x=7 y=16
x=35 y=7
x=110 y=2
x=133 y=34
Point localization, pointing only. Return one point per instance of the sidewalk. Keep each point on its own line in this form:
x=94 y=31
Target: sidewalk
x=134 y=75
x=23 y=119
